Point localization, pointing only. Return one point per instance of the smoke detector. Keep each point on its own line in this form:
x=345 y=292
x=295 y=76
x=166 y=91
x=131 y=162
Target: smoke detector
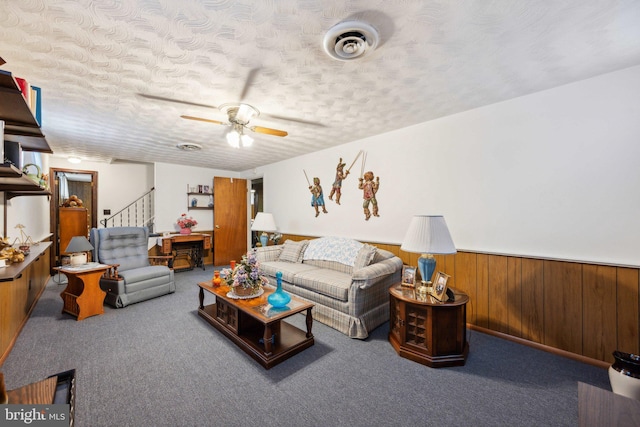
x=350 y=40
x=189 y=146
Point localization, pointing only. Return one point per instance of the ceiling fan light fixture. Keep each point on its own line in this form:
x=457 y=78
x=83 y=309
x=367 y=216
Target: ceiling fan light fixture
x=350 y=40
x=233 y=139
x=247 y=141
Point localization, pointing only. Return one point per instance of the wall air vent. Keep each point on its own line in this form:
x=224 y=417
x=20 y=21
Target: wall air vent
x=350 y=40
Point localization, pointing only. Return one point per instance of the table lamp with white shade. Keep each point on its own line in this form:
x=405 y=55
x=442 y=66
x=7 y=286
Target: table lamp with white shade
x=264 y=222
x=78 y=248
x=428 y=235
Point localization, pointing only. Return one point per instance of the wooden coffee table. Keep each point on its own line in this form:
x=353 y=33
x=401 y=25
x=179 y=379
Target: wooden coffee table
x=255 y=326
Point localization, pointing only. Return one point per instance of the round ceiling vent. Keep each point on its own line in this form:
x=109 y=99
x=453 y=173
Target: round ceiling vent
x=189 y=146
x=350 y=40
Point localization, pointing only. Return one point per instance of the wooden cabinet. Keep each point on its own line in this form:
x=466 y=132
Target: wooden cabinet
x=20 y=286
x=72 y=222
x=427 y=331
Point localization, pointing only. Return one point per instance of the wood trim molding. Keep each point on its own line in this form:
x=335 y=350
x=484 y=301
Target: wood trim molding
x=585 y=311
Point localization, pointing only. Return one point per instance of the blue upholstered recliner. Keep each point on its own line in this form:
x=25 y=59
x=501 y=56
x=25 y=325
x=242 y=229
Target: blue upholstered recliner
x=136 y=277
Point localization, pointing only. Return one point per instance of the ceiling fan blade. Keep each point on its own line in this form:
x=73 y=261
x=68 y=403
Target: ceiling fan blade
x=293 y=119
x=177 y=101
x=200 y=119
x=268 y=131
x=247 y=84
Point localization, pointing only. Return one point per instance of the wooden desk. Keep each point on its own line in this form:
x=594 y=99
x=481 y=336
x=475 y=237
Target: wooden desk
x=426 y=330
x=83 y=296
x=191 y=245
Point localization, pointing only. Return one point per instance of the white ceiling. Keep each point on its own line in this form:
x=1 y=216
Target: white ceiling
x=94 y=58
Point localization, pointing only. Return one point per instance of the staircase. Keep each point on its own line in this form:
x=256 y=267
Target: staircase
x=139 y=213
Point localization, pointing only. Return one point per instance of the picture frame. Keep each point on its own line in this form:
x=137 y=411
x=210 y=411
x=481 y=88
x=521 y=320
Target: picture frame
x=439 y=286
x=408 y=276
x=205 y=189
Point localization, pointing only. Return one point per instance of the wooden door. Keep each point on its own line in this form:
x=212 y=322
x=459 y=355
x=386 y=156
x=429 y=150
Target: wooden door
x=73 y=222
x=229 y=219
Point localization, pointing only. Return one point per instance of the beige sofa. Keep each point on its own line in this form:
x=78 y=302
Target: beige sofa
x=348 y=281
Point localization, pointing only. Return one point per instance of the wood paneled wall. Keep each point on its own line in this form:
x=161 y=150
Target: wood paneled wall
x=583 y=309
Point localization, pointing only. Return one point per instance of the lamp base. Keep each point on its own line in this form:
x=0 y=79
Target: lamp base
x=424 y=288
x=78 y=258
x=264 y=239
x=426 y=266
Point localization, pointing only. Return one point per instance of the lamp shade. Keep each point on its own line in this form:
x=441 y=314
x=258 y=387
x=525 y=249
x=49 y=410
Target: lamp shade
x=428 y=234
x=263 y=222
x=78 y=244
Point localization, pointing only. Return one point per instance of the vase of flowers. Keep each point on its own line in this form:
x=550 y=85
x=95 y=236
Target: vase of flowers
x=245 y=279
x=186 y=223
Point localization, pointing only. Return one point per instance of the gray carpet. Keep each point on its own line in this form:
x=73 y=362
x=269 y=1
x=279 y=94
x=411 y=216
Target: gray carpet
x=157 y=363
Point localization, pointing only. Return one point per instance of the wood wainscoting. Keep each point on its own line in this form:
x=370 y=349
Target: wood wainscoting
x=580 y=310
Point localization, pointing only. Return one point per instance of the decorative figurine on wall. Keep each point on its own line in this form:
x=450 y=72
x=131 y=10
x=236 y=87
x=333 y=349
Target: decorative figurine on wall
x=317 y=198
x=336 y=188
x=341 y=175
x=370 y=188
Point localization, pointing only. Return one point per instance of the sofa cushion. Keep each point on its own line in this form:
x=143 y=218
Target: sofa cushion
x=338 y=249
x=288 y=269
x=365 y=256
x=331 y=283
x=292 y=251
x=331 y=265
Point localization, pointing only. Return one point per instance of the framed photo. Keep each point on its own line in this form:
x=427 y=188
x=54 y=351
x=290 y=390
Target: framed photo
x=439 y=288
x=408 y=276
x=205 y=189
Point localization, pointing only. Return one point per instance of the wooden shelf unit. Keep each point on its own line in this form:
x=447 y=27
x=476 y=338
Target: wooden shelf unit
x=190 y=195
x=20 y=125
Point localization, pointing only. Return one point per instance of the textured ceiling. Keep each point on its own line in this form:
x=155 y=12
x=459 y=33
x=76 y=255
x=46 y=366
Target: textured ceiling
x=94 y=59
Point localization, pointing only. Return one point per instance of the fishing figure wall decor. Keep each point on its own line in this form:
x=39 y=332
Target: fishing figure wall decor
x=341 y=175
x=336 y=188
x=370 y=188
x=317 y=196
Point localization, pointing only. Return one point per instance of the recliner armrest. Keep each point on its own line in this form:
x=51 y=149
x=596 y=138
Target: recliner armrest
x=162 y=260
x=112 y=285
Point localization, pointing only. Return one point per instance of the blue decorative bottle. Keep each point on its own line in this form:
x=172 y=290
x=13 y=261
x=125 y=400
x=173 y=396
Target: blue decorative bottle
x=279 y=298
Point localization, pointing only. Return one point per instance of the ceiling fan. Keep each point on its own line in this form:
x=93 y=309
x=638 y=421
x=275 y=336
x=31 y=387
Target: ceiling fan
x=239 y=116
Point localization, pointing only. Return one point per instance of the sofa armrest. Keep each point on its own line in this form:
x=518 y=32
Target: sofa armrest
x=268 y=253
x=373 y=273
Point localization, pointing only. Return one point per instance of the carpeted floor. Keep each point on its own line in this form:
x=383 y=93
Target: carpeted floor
x=157 y=363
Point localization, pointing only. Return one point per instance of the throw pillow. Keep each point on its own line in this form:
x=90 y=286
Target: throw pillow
x=365 y=256
x=292 y=251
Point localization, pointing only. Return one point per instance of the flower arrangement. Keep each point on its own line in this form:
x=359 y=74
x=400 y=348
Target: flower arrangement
x=186 y=221
x=246 y=277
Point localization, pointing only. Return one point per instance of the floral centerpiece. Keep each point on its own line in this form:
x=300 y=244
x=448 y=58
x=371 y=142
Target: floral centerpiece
x=186 y=223
x=246 y=278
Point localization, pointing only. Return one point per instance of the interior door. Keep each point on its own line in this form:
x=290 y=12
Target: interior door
x=82 y=183
x=229 y=219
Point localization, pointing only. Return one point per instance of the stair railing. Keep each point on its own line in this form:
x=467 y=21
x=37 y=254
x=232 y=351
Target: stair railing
x=139 y=213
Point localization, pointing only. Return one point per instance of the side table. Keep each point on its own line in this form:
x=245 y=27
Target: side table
x=83 y=296
x=426 y=330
